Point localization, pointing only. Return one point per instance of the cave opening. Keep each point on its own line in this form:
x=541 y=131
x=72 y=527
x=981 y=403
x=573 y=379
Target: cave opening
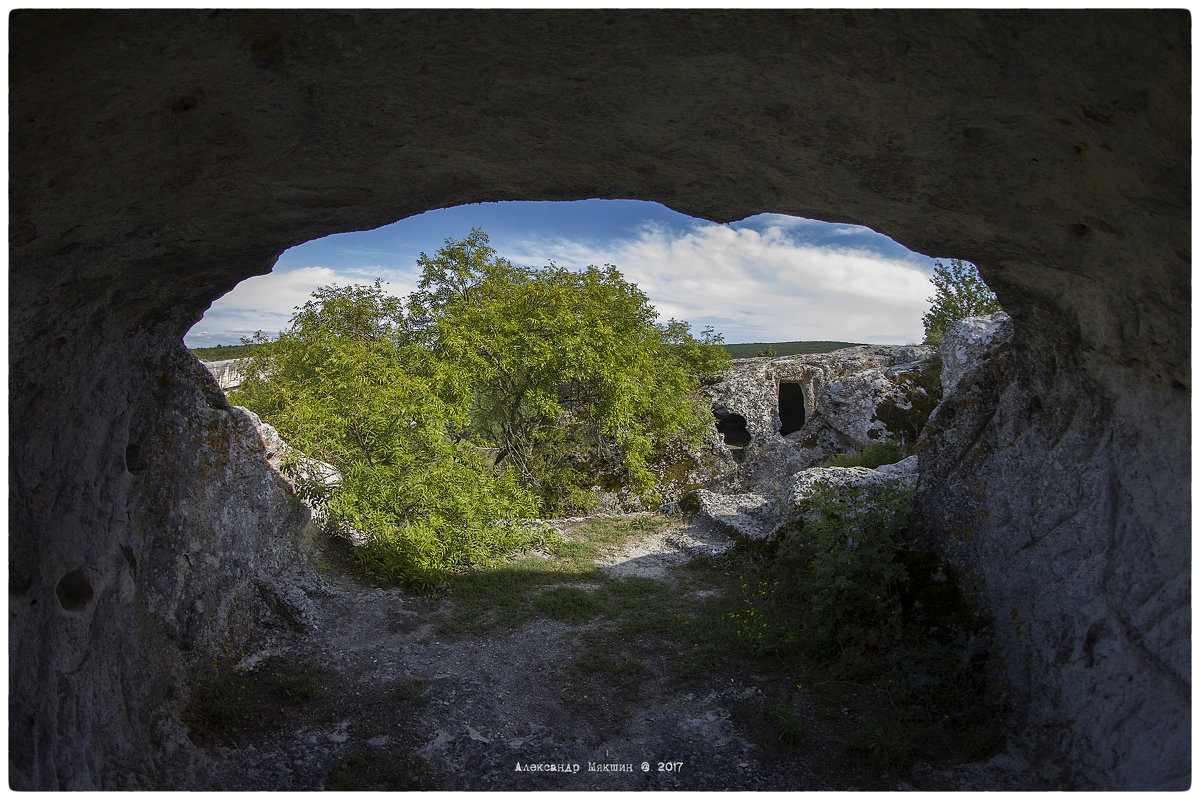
x=791 y=408
x=669 y=119
x=732 y=428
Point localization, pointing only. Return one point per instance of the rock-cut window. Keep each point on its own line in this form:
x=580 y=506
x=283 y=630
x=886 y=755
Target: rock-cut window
x=791 y=408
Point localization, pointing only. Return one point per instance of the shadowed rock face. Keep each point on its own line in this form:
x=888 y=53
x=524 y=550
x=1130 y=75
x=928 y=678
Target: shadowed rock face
x=157 y=159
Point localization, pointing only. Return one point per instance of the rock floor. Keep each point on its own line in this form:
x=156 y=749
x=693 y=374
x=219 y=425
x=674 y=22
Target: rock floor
x=403 y=707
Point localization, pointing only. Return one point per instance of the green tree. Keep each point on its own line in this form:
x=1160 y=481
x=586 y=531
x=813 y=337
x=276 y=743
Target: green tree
x=570 y=374
x=346 y=385
x=961 y=293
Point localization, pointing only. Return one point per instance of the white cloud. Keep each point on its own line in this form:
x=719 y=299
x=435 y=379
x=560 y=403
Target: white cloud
x=759 y=285
x=266 y=302
x=766 y=282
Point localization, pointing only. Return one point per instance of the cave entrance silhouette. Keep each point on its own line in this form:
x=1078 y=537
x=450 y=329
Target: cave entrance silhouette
x=791 y=408
x=732 y=428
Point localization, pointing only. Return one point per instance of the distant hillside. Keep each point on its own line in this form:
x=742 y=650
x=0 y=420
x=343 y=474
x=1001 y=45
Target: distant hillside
x=785 y=348
x=224 y=351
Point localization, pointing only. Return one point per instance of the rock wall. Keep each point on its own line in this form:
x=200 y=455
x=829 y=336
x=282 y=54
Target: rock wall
x=1090 y=607
x=852 y=398
x=159 y=566
x=159 y=158
x=228 y=373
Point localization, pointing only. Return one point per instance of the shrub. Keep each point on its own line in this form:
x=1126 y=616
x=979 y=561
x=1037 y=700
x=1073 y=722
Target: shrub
x=888 y=451
x=961 y=293
x=846 y=552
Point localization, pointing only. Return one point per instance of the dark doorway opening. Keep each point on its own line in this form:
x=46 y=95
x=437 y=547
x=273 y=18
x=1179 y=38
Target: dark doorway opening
x=732 y=428
x=791 y=408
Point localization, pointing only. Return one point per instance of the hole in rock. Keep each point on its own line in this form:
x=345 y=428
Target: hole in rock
x=689 y=270
x=791 y=408
x=74 y=591
x=732 y=428
x=134 y=461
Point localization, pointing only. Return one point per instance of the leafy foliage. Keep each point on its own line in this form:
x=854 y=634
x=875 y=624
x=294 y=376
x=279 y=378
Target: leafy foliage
x=848 y=550
x=570 y=374
x=494 y=394
x=343 y=386
x=834 y=574
x=859 y=622
x=961 y=293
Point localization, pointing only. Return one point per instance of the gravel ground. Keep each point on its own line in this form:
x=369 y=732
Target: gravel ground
x=401 y=707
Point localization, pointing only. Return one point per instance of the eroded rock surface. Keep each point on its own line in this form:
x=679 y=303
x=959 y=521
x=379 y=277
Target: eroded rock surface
x=760 y=517
x=848 y=400
x=228 y=373
x=1017 y=493
x=132 y=617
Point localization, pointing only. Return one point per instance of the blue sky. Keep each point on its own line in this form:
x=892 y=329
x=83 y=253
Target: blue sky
x=764 y=279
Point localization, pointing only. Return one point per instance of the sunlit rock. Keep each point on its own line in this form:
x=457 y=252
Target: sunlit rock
x=839 y=402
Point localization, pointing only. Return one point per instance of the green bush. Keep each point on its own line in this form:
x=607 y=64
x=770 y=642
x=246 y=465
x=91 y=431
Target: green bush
x=888 y=451
x=849 y=554
x=497 y=393
x=834 y=604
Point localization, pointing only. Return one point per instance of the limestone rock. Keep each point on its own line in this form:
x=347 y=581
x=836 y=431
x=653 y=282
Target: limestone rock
x=749 y=516
x=228 y=373
x=968 y=342
x=806 y=484
x=308 y=478
x=1016 y=493
x=759 y=517
x=839 y=402
x=293 y=466
x=902 y=474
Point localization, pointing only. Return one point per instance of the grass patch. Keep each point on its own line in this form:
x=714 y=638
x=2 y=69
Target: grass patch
x=790 y=729
x=290 y=682
x=836 y=612
x=834 y=621
x=568 y=604
x=228 y=700
x=599 y=671
x=507 y=595
x=220 y=703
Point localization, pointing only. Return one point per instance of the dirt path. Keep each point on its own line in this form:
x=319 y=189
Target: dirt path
x=400 y=703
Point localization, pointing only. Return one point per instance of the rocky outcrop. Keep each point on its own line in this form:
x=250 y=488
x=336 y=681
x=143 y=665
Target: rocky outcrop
x=750 y=517
x=679 y=469
x=901 y=475
x=130 y=620
x=972 y=341
x=294 y=467
x=842 y=401
x=1079 y=622
x=159 y=158
x=228 y=373
x=760 y=517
